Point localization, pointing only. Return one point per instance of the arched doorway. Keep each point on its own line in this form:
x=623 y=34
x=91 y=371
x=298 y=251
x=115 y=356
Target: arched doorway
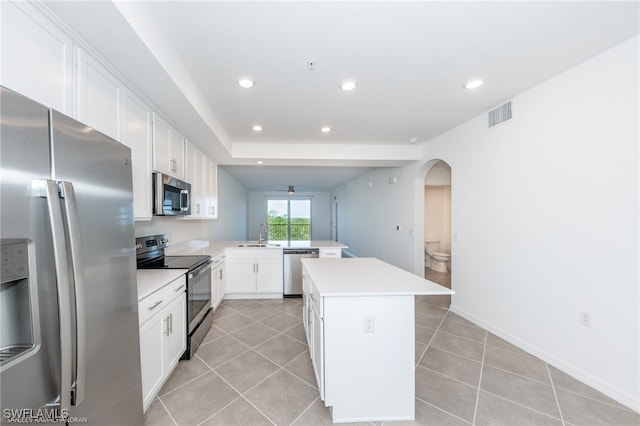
x=433 y=191
x=437 y=223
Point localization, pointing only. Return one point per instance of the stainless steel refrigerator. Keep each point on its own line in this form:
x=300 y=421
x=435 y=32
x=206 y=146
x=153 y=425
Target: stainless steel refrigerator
x=69 y=341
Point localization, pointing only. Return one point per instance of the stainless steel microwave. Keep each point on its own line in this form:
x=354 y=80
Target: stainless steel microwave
x=171 y=196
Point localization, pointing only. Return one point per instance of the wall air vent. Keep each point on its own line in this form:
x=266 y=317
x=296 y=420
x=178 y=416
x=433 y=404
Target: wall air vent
x=500 y=114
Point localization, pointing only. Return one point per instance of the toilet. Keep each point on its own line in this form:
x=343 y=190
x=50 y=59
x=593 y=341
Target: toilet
x=435 y=259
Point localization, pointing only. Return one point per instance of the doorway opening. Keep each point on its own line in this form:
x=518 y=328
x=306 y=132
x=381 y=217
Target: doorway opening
x=437 y=226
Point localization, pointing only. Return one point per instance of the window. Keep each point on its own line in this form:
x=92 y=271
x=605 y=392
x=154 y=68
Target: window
x=289 y=220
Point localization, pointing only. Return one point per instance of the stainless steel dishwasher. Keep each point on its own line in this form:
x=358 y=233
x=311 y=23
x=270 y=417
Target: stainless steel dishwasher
x=293 y=270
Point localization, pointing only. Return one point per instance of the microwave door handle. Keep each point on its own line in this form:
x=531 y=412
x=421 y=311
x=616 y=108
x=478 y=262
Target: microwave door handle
x=62 y=287
x=188 y=202
x=77 y=268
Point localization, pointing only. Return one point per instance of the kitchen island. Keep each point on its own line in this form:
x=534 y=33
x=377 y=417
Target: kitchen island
x=359 y=318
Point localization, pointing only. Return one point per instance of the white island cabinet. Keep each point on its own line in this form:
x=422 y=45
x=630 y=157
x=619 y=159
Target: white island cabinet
x=360 y=325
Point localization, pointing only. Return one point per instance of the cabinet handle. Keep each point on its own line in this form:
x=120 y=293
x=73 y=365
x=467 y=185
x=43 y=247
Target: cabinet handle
x=174 y=165
x=154 y=305
x=179 y=288
x=220 y=274
x=167 y=321
x=171 y=322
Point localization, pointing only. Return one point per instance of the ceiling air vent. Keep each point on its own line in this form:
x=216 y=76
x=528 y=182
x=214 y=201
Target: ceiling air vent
x=500 y=114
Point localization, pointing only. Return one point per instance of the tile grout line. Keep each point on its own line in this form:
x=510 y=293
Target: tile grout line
x=555 y=394
x=304 y=411
x=484 y=350
x=440 y=409
x=167 y=410
x=520 y=405
x=432 y=337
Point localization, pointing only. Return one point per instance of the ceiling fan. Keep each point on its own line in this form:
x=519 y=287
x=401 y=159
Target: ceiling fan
x=289 y=191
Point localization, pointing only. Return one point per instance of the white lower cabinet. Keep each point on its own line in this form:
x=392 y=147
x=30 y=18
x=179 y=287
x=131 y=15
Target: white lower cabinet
x=163 y=339
x=317 y=348
x=217 y=281
x=254 y=271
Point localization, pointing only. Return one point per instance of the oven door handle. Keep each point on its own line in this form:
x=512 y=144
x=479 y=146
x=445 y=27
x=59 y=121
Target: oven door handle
x=200 y=269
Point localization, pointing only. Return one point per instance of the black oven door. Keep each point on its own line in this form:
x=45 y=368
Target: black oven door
x=198 y=295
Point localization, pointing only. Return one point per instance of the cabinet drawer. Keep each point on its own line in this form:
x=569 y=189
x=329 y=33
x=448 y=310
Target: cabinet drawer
x=175 y=289
x=151 y=305
x=330 y=252
x=217 y=260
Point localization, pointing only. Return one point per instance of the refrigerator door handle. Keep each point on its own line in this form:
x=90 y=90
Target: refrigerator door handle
x=75 y=246
x=64 y=296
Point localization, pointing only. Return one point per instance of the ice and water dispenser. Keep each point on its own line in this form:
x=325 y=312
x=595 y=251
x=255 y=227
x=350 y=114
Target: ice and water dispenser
x=16 y=323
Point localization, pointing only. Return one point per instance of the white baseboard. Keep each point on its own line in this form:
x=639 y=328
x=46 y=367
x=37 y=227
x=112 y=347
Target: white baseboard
x=576 y=373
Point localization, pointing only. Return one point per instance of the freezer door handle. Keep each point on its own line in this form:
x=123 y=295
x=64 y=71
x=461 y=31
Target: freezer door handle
x=75 y=245
x=62 y=286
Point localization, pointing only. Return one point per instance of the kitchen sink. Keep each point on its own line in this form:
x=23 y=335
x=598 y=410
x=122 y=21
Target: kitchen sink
x=258 y=245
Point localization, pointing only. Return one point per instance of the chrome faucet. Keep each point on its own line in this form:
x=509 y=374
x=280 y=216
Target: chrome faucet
x=261 y=228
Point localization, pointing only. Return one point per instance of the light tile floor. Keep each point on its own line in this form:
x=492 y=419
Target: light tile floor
x=254 y=369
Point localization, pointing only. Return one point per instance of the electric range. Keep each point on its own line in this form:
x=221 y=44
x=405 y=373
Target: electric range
x=150 y=255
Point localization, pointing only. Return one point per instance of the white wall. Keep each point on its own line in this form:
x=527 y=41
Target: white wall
x=230 y=225
x=437 y=215
x=370 y=209
x=546 y=213
x=545 y=209
x=320 y=212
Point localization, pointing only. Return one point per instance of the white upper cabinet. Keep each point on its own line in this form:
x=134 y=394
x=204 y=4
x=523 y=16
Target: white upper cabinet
x=98 y=96
x=211 y=195
x=195 y=173
x=168 y=148
x=136 y=134
x=37 y=57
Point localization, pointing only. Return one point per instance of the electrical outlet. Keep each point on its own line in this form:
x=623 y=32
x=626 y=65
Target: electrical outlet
x=584 y=318
x=369 y=324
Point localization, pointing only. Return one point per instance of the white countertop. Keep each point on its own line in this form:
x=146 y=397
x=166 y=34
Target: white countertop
x=212 y=248
x=367 y=276
x=150 y=280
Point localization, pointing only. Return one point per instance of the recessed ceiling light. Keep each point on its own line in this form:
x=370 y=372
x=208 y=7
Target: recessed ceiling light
x=259 y=162
x=245 y=82
x=473 y=84
x=325 y=129
x=348 y=85
x=257 y=128
x=413 y=140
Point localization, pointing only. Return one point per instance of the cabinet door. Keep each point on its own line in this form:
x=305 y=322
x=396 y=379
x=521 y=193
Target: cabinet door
x=36 y=57
x=195 y=175
x=318 y=350
x=215 y=295
x=221 y=282
x=136 y=134
x=269 y=276
x=161 y=144
x=211 y=179
x=175 y=331
x=152 y=358
x=98 y=96
x=176 y=150
x=241 y=276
